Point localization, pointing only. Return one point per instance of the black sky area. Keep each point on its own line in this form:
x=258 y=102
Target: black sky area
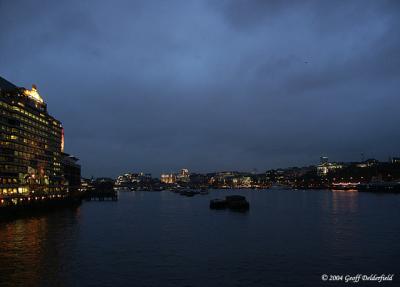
x=155 y=86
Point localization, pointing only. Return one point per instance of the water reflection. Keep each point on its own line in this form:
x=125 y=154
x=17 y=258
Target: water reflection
x=343 y=227
x=32 y=249
x=344 y=201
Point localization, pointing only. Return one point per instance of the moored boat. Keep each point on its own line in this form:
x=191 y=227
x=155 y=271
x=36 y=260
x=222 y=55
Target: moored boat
x=237 y=202
x=233 y=202
x=218 y=203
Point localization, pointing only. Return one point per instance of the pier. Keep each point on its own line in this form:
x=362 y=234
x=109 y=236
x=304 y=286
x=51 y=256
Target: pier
x=101 y=191
x=101 y=196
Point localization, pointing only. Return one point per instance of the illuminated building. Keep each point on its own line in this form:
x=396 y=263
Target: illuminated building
x=183 y=175
x=184 y=172
x=325 y=167
x=129 y=179
x=322 y=169
x=368 y=163
x=168 y=178
x=32 y=161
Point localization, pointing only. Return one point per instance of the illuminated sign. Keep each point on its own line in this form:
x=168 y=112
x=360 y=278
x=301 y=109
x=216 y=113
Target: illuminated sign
x=62 y=140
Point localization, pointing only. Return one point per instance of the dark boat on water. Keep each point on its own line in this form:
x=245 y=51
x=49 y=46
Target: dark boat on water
x=204 y=191
x=189 y=192
x=218 y=203
x=233 y=202
x=237 y=202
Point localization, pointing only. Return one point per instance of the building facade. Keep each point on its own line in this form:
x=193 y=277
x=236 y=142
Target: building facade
x=168 y=178
x=72 y=172
x=31 y=146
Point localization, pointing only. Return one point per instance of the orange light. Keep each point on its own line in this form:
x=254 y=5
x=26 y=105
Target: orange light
x=33 y=94
x=62 y=140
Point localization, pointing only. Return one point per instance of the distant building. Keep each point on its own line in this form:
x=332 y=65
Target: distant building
x=198 y=180
x=86 y=184
x=168 y=178
x=368 y=163
x=129 y=179
x=145 y=178
x=123 y=180
x=183 y=175
x=323 y=160
x=396 y=160
x=242 y=182
x=325 y=166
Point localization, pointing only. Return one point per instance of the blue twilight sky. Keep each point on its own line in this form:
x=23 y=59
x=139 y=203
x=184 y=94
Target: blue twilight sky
x=210 y=85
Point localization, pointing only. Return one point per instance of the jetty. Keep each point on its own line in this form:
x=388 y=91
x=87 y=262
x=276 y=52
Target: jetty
x=101 y=191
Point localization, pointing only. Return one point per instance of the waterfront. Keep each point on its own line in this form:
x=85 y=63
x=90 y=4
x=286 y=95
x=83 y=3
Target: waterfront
x=288 y=238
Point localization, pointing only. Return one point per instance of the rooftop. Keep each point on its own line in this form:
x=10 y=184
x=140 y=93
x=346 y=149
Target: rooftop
x=33 y=93
x=6 y=85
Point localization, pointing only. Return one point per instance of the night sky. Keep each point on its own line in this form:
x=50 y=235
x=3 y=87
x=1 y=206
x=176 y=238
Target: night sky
x=155 y=86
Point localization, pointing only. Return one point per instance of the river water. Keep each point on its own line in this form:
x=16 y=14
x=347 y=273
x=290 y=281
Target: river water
x=288 y=238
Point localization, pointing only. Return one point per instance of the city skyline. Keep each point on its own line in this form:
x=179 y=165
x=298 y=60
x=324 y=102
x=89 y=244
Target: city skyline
x=323 y=160
x=230 y=86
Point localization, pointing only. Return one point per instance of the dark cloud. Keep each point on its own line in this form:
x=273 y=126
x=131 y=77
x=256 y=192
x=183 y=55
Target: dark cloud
x=210 y=85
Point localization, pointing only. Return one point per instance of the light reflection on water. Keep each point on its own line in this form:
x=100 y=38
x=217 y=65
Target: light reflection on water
x=164 y=239
x=31 y=249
